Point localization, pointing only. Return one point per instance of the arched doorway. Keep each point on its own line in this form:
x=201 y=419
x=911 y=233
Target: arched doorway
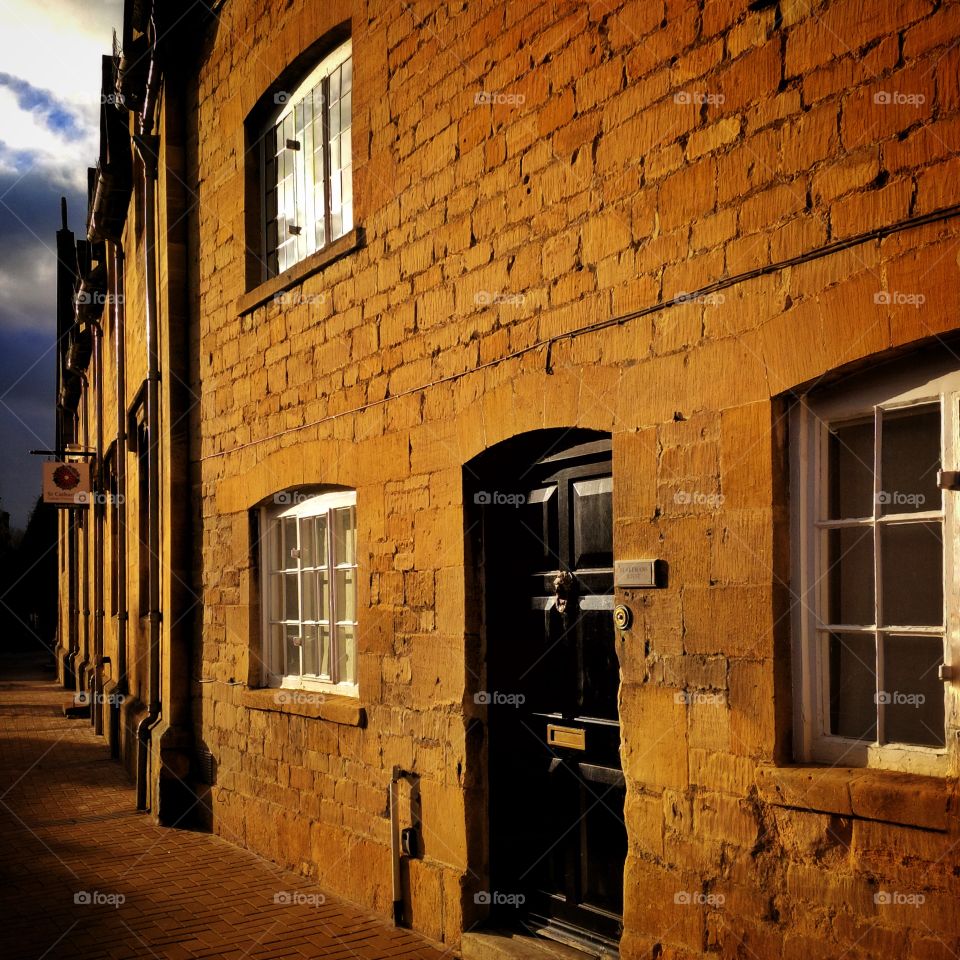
x=540 y=507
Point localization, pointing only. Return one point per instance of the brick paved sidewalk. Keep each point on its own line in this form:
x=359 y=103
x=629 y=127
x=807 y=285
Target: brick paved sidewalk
x=68 y=827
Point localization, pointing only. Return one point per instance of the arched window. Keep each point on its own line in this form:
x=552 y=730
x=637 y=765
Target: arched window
x=309 y=577
x=306 y=165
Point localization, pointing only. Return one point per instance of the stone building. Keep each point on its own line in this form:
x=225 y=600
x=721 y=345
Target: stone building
x=535 y=460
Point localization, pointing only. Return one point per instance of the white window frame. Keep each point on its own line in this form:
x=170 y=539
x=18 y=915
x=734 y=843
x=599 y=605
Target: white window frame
x=270 y=519
x=897 y=385
x=304 y=179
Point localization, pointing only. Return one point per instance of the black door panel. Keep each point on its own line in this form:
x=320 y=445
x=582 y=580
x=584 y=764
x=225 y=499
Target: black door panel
x=557 y=833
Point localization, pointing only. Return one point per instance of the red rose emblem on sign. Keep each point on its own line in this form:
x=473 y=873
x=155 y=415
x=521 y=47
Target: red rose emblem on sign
x=66 y=477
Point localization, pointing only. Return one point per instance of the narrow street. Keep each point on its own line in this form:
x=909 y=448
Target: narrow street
x=83 y=875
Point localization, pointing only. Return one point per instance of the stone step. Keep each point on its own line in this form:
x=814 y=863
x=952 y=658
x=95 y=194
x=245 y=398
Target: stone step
x=509 y=945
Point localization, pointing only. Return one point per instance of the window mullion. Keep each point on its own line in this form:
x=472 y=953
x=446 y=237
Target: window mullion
x=325 y=113
x=332 y=617
x=264 y=244
x=878 y=573
x=299 y=598
x=268 y=667
x=308 y=227
x=948 y=461
x=819 y=542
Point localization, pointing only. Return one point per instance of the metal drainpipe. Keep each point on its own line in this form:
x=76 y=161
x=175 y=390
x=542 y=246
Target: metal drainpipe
x=148 y=146
x=96 y=715
x=120 y=353
x=83 y=656
x=395 y=841
x=395 y=850
x=73 y=590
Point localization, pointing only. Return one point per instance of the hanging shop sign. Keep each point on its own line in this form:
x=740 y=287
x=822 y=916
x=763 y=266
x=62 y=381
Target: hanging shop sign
x=66 y=484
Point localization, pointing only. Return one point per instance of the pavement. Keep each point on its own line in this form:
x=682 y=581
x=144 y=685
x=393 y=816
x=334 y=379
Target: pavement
x=84 y=875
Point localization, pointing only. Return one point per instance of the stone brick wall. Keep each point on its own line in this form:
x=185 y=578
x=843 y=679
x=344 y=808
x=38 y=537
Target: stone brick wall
x=176 y=581
x=523 y=171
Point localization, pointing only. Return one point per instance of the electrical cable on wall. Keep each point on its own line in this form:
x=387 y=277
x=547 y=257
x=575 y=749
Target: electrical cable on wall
x=817 y=253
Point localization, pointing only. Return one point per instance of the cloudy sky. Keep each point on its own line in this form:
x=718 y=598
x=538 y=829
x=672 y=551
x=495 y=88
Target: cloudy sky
x=49 y=107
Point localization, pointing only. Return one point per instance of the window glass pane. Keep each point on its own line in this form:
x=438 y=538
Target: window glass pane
x=276 y=597
x=912 y=564
x=275 y=541
x=289 y=543
x=319 y=228
x=311 y=651
x=850 y=455
x=275 y=653
x=912 y=697
x=324 y=651
x=346 y=580
x=333 y=115
x=347 y=178
x=335 y=84
x=308 y=596
x=324 y=595
x=344 y=536
x=850 y=575
x=335 y=191
x=292 y=601
x=910 y=459
x=853 y=711
x=321 y=539
x=346 y=653
x=272 y=237
x=293 y=650
x=346 y=75
x=308 y=234
x=299 y=183
x=308 y=552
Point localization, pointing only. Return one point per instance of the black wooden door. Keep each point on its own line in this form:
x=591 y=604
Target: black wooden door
x=557 y=841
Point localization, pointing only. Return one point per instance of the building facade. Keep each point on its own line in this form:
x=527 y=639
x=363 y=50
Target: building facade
x=539 y=434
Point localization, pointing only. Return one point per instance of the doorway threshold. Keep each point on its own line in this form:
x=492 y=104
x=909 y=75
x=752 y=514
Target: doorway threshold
x=512 y=945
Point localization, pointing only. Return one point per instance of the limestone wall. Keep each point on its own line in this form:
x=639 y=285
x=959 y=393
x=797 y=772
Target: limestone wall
x=523 y=171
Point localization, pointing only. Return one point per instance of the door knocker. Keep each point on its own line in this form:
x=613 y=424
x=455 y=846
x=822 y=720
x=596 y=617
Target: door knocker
x=563 y=588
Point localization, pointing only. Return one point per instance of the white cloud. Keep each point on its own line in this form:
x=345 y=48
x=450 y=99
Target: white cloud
x=56 y=47
x=57 y=44
x=48 y=137
x=28 y=283
x=28 y=144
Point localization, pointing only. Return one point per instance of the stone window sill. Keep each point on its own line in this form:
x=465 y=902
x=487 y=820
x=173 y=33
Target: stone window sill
x=300 y=271
x=899 y=798
x=330 y=707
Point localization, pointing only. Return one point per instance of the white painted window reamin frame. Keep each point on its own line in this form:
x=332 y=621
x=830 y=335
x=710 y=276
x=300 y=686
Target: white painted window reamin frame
x=894 y=386
x=301 y=508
